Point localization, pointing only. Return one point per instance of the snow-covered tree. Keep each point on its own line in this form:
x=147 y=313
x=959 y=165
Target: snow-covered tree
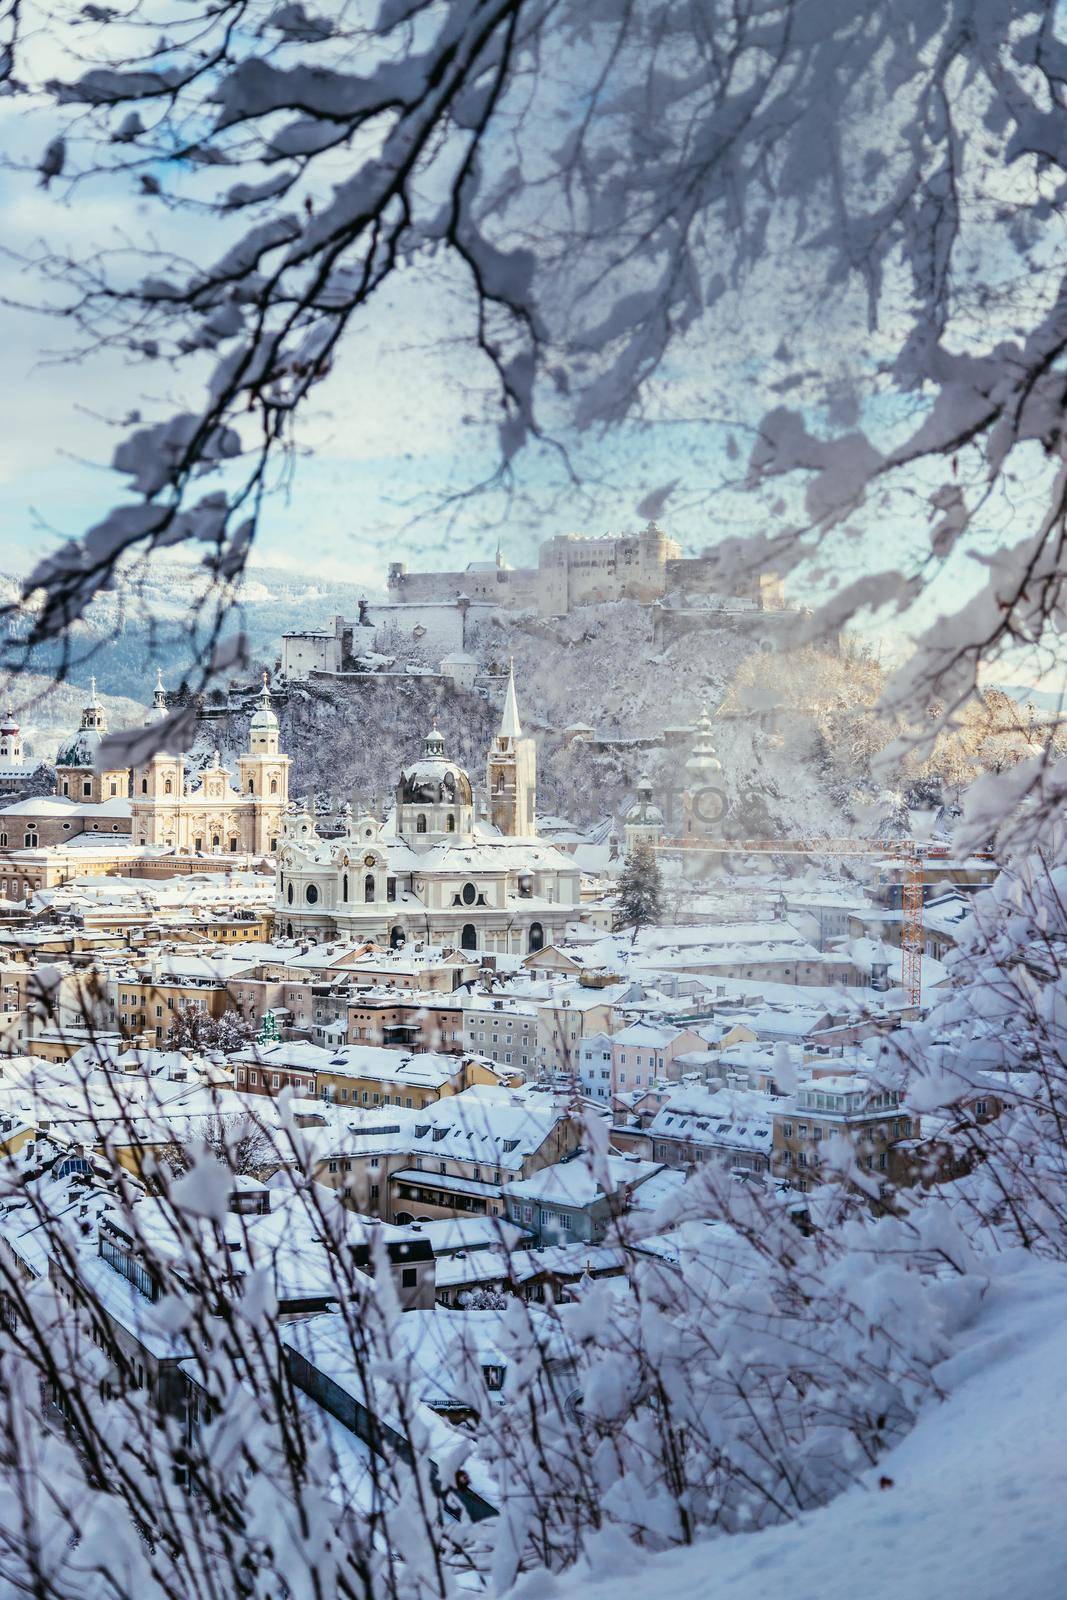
x=640 y=896
x=990 y=1060
x=193 y=1029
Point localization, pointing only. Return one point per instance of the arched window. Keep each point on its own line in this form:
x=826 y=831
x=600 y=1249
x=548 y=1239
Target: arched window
x=450 y=823
x=468 y=939
x=420 y=823
x=396 y=937
x=537 y=936
x=289 y=930
x=3 y=840
x=500 y=784
x=144 y=786
x=311 y=894
x=344 y=887
x=274 y=786
x=216 y=842
x=31 y=841
x=168 y=787
x=251 y=785
x=368 y=888
x=289 y=894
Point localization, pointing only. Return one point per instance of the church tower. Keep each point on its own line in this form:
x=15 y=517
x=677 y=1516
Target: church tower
x=77 y=774
x=511 y=773
x=10 y=741
x=644 y=820
x=264 y=778
x=158 y=786
x=704 y=800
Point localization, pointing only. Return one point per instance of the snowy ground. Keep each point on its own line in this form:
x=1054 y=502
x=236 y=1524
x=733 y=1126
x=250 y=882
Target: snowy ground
x=976 y=1505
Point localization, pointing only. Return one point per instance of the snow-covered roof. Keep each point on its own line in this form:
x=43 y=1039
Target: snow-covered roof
x=573 y=1182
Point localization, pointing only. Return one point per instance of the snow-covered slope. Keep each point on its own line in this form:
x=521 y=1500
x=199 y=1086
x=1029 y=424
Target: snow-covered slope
x=973 y=1502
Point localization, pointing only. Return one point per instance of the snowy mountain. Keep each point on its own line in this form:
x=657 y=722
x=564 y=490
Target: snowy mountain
x=149 y=621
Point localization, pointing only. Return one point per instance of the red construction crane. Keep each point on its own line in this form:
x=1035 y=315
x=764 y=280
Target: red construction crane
x=912 y=932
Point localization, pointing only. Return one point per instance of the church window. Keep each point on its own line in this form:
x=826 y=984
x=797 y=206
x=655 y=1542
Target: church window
x=311 y=894
x=87 y=786
x=251 y=785
x=470 y=894
x=66 y=786
x=168 y=787
x=233 y=844
x=216 y=842
x=289 y=894
x=420 y=823
x=274 y=844
x=396 y=939
x=468 y=939
x=390 y=888
x=3 y=839
x=368 y=888
x=537 y=936
x=144 y=785
x=450 y=823
x=114 y=788
x=500 y=784
x=344 y=887
x=198 y=845
x=274 y=786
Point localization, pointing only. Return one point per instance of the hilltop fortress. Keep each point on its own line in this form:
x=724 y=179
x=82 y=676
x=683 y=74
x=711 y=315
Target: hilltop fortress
x=573 y=570
x=439 y=612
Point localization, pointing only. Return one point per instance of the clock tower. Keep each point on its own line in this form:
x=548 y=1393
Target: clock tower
x=704 y=799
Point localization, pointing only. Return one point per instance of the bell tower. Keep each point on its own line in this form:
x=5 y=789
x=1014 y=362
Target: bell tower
x=264 y=778
x=704 y=799
x=511 y=773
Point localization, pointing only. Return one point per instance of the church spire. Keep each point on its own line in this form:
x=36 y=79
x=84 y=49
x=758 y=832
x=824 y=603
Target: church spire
x=510 y=727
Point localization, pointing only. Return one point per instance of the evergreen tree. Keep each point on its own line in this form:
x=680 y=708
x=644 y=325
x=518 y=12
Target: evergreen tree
x=640 y=899
x=194 y=1030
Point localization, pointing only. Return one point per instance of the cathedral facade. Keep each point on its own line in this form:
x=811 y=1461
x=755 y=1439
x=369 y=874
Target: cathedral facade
x=434 y=871
x=204 y=815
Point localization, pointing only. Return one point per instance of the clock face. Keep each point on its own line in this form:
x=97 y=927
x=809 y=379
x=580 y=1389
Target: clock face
x=368 y=861
x=709 y=804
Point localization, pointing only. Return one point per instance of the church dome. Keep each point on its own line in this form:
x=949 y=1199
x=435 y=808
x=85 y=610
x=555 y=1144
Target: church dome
x=644 y=810
x=83 y=749
x=434 y=780
x=264 y=719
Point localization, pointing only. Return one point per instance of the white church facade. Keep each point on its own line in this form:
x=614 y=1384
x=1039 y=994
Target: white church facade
x=434 y=871
x=204 y=814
